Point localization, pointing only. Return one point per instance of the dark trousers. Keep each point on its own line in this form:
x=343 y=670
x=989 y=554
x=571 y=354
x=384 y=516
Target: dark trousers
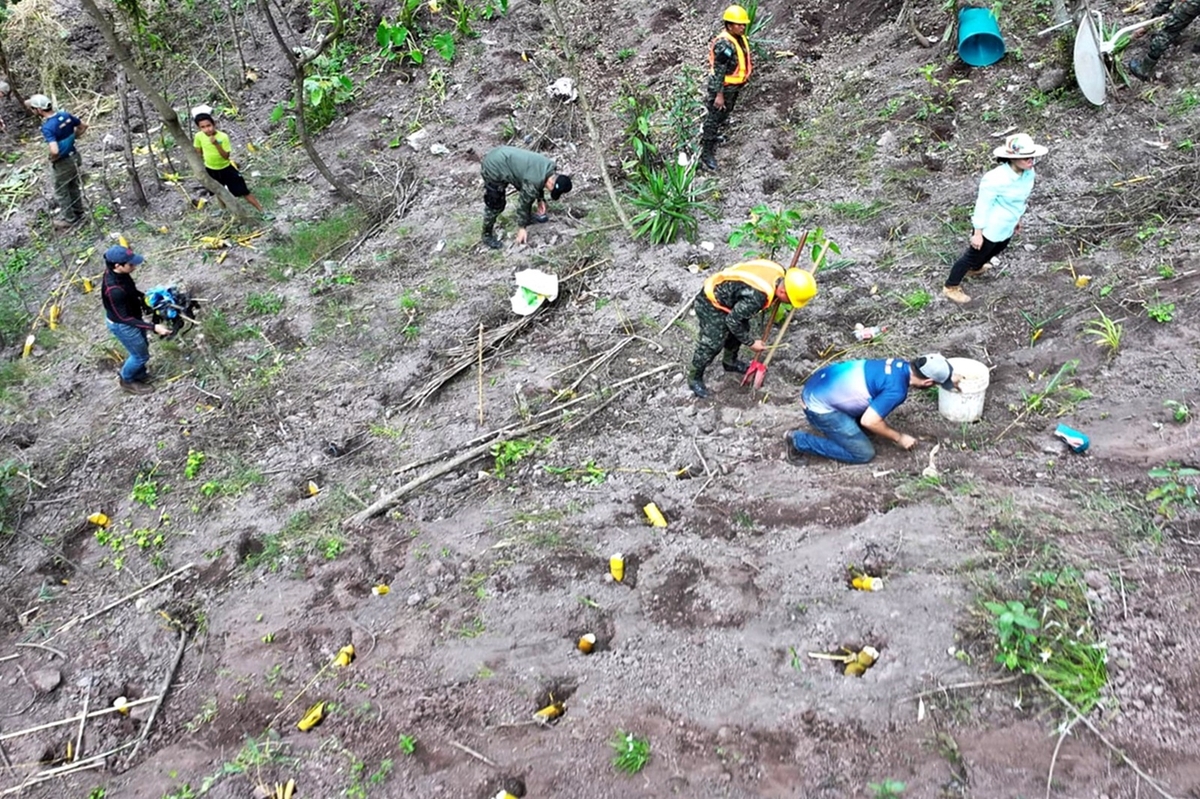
x=973 y=259
x=714 y=336
x=716 y=117
x=494 y=202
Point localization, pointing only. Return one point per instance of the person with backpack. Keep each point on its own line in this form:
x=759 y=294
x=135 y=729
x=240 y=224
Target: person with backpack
x=124 y=306
x=59 y=130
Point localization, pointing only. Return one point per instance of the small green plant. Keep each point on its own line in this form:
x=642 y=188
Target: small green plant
x=1161 y=312
x=1166 y=271
x=1188 y=100
x=264 y=303
x=588 y=473
x=508 y=453
x=408 y=744
x=97 y=793
x=1060 y=394
x=146 y=490
x=1016 y=627
x=444 y=44
x=916 y=299
x=1180 y=411
x=626 y=53
x=631 y=753
x=494 y=8
x=769 y=229
x=888 y=789
x=1176 y=488
x=195 y=461
x=1105 y=332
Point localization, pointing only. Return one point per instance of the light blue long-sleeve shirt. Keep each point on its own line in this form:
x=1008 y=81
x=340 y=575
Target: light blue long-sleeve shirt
x=1003 y=195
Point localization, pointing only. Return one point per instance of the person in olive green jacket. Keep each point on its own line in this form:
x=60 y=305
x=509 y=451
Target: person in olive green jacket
x=530 y=172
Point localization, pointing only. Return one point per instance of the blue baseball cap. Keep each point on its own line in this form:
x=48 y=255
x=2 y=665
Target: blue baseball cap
x=117 y=254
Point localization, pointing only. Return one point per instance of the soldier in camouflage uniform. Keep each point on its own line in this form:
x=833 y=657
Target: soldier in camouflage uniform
x=729 y=301
x=533 y=173
x=1182 y=12
x=730 y=68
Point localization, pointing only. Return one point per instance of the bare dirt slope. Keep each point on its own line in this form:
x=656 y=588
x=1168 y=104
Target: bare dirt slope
x=321 y=333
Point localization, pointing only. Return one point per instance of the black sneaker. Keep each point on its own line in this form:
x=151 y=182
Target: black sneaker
x=539 y=219
x=134 y=387
x=698 y=388
x=794 y=456
x=741 y=367
x=492 y=242
x=1139 y=68
x=709 y=161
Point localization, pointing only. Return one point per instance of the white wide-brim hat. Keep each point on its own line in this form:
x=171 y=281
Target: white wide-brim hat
x=1020 y=145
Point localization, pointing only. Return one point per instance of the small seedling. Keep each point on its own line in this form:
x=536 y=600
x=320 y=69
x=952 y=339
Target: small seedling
x=888 y=789
x=632 y=753
x=1180 y=411
x=626 y=53
x=408 y=744
x=1161 y=312
x=1166 y=271
x=916 y=300
x=1176 y=488
x=1105 y=332
x=195 y=460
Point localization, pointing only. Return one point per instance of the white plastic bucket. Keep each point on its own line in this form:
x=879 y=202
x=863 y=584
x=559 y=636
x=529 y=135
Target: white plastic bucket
x=966 y=404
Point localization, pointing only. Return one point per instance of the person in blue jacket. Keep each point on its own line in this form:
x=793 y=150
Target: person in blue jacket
x=1003 y=195
x=59 y=130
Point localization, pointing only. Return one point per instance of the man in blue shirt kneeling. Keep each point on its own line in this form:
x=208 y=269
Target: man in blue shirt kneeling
x=845 y=399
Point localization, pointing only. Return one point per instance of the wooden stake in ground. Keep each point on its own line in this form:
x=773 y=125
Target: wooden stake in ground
x=162 y=694
x=479 y=368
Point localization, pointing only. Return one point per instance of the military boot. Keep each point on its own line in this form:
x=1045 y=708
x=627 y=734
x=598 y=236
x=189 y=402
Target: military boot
x=741 y=367
x=1143 y=67
x=696 y=383
x=708 y=156
x=489 y=238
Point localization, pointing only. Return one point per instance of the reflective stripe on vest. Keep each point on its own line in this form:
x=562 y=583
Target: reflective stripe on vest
x=744 y=67
x=760 y=275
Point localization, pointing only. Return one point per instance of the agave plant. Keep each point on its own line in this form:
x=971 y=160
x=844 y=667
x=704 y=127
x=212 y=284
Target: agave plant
x=669 y=200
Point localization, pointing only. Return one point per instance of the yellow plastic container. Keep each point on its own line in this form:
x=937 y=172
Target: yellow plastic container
x=616 y=567
x=654 y=515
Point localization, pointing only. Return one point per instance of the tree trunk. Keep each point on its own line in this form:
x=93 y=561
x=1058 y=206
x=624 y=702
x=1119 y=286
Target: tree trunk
x=135 y=180
x=298 y=67
x=12 y=82
x=168 y=114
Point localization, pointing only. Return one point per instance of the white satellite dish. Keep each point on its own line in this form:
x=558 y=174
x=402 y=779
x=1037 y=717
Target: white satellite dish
x=1090 y=72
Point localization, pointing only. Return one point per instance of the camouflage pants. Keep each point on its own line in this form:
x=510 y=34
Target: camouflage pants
x=65 y=172
x=716 y=117
x=714 y=336
x=1182 y=14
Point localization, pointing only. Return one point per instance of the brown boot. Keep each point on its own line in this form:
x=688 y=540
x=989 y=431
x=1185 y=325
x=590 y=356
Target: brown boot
x=956 y=294
x=134 y=387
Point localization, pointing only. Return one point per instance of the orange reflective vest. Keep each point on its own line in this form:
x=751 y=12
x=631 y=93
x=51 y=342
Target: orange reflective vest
x=744 y=67
x=761 y=275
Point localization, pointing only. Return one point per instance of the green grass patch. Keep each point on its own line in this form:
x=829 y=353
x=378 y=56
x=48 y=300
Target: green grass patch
x=310 y=242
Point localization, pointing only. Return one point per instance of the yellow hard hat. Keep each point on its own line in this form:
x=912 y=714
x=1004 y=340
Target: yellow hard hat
x=800 y=287
x=737 y=15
